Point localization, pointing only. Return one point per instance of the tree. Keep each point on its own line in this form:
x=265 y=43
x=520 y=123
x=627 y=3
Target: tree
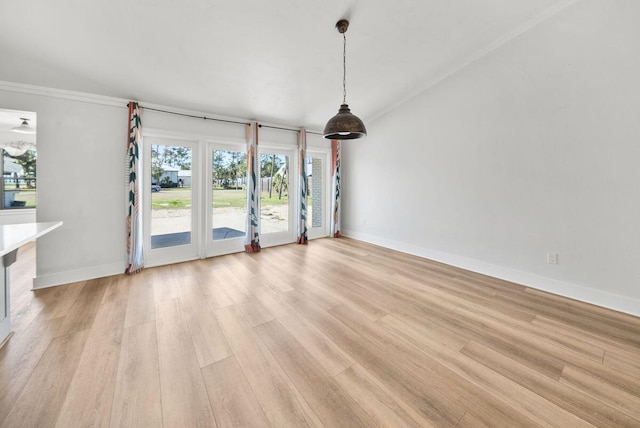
x=284 y=180
x=156 y=163
x=269 y=165
x=181 y=158
x=27 y=161
x=218 y=169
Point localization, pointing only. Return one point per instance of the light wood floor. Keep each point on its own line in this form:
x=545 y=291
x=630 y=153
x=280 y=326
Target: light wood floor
x=336 y=333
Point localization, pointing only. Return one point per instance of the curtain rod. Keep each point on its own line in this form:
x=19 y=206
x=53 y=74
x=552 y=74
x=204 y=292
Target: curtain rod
x=288 y=129
x=193 y=115
x=224 y=120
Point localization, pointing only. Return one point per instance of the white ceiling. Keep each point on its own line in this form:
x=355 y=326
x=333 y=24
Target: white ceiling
x=277 y=61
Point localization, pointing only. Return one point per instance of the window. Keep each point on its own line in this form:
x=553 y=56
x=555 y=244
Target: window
x=274 y=195
x=19 y=159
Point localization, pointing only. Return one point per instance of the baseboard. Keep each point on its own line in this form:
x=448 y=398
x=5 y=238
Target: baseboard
x=562 y=288
x=67 y=277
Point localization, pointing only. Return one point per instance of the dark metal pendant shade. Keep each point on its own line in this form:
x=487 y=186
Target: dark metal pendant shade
x=344 y=126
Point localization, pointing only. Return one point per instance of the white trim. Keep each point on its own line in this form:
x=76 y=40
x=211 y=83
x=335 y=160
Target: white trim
x=289 y=236
x=67 y=277
x=562 y=288
x=17 y=215
x=63 y=94
x=322 y=231
x=17 y=211
x=170 y=260
x=178 y=253
x=482 y=52
x=224 y=246
x=122 y=102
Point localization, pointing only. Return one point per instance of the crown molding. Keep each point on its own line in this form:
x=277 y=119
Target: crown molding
x=119 y=102
x=63 y=94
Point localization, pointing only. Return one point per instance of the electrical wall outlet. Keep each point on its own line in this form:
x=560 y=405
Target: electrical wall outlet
x=552 y=258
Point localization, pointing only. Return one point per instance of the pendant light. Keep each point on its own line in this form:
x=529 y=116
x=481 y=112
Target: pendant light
x=344 y=125
x=24 y=127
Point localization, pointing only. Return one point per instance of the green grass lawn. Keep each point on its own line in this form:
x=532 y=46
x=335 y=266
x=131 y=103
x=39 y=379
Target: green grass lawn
x=180 y=197
x=175 y=198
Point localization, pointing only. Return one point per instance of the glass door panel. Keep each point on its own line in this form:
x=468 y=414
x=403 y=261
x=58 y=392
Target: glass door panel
x=276 y=197
x=317 y=195
x=227 y=195
x=171 y=196
x=171 y=200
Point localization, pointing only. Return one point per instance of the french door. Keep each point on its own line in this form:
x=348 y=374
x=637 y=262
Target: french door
x=318 y=200
x=226 y=198
x=171 y=199
x=278 y=193
x=195 y=197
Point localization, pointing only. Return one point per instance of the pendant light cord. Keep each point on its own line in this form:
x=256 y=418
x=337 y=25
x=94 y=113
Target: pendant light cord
x=344 y=69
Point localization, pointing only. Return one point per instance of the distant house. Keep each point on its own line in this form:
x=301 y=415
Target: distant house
x=169 y=177
x=185 y=176
x=11 y=168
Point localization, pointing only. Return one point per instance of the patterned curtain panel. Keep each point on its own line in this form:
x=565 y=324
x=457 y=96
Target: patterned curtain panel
x=252 y=239
x=335 y=188
x=302 y=206
x=134 y=217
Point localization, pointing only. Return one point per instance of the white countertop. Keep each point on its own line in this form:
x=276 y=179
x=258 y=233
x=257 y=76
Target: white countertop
x=13 y=236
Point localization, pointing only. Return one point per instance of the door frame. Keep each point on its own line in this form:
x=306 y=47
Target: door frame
x=322 y=231
x=227 y=246
x=181 y=253
x=289 y=236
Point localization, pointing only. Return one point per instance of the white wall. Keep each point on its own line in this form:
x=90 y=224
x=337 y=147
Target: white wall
x=81 y=171
x=81 y=149
x=533 y=148
x=17 y=216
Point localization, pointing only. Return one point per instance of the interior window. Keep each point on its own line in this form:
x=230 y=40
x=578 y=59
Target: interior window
x=19 y=159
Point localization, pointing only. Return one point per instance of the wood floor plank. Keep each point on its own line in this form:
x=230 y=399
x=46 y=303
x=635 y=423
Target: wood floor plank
x=320 y=390
x=280 y=400
x=428 y=336
x=608 y=343
x=335 y=332
x=137 y=400
x=90 y=396
x=603 y=391
x=60 y=299
x=397 y=373
x=254 y=312
x=184 y=397
x=209 y=285
x=470 y=421
x=42 y=397
x=117 y=288
x=83 y=311
x=233 y=287
x=382 y=405
x=433 y=373
x=208 y=340
x=573 y=315
x=580 y=404
x=20 y=356
x=527 y=402
x=141 y=306
x=312 y=288
x=232 y=399
x=329 y=355
x=623 y=361
x=165 y=284
x=26 y=306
